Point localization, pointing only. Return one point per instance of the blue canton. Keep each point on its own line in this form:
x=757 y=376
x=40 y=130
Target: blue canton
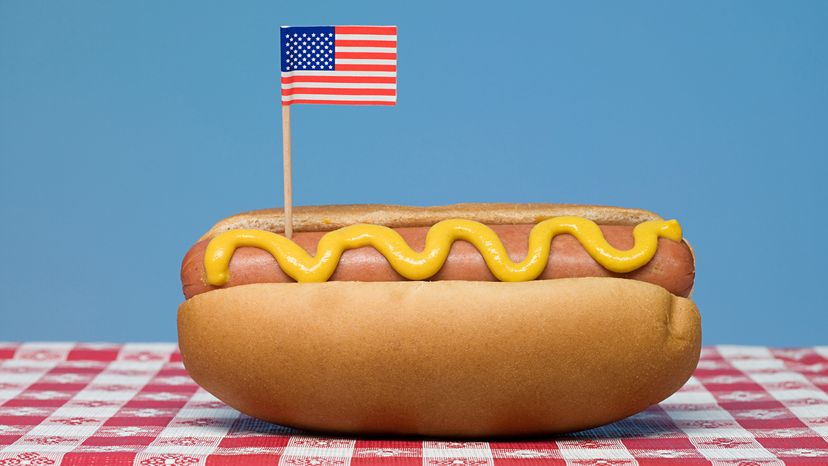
x=307 y=48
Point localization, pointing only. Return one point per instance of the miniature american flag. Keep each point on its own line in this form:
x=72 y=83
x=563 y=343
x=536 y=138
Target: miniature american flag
x=350 y=65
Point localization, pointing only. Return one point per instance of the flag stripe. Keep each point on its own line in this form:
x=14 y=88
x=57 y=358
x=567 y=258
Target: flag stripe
x=337 y=91
x=362 y=61
x=387 y=98
x=388 y=74
x=366 y=55
x=365 y=37
x=365 y=49
x=366 y=67
x=366 y=43
x=366 y=29
x=338 y=79
x=335 y=102
x=344 y=85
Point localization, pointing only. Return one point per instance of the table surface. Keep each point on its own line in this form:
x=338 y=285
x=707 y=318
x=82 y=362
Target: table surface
x=133 y=404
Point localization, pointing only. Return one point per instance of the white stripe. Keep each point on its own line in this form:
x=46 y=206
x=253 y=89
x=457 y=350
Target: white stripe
x=367 y=49
x=355 y=98
x=341 y=85
x=387 y=74
x=363 y=61
x=365 y=37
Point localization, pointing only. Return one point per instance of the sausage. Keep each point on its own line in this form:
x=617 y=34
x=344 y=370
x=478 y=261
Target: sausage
x=672 y=267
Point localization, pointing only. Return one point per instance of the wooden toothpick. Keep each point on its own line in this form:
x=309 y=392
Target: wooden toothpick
x=287 y=171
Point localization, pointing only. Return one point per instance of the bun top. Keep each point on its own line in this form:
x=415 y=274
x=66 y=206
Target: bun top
x=331 y=217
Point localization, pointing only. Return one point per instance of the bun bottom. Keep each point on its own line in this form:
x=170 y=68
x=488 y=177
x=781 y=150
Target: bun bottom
x=446 y=358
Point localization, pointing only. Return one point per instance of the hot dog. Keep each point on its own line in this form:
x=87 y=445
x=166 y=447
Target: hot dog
x=387 y=298
x=672 y=267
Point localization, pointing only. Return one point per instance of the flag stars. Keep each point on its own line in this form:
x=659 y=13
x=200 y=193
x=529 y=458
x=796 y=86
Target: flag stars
x=308 y=49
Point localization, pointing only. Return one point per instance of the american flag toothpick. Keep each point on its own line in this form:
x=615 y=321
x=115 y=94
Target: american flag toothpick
x=341 y=65
x=348 y=65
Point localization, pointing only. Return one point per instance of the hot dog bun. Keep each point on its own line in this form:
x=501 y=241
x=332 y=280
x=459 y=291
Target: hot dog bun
x=448 y=358
x=440 y=358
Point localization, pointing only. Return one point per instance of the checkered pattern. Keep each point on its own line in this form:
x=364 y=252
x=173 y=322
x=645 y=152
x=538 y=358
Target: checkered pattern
x=133 y=404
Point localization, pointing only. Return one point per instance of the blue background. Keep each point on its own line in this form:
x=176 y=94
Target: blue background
x=128 y=128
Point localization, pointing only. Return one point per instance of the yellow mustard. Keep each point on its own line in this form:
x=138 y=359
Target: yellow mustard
x=413 y=265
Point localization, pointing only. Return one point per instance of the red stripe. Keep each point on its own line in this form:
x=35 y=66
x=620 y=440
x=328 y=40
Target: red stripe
x=366 y=67
x=366 y=43
x=338 y=102
x=382 y=30
x=367 y=55
x=339 y=79
x=337 y=91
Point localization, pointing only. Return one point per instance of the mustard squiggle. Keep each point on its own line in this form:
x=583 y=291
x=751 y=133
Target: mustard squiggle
x=414 y=265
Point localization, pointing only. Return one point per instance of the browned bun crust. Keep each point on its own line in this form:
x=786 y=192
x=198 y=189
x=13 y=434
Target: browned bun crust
x=331 y=217
x=446 y=358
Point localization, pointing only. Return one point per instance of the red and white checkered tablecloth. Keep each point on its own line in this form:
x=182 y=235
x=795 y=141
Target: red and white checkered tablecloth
x=133 y=404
